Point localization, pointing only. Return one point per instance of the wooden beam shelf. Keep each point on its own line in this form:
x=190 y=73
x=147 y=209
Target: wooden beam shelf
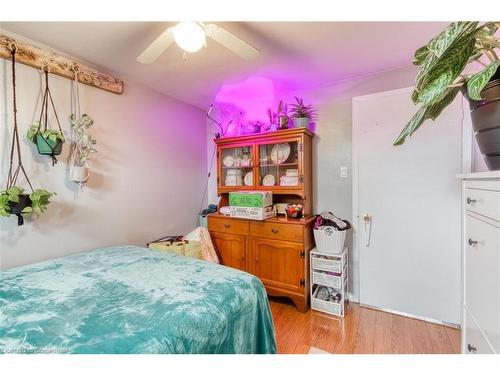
x=62 y=66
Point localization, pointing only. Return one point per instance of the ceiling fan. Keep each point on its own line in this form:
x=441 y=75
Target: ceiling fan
x=191 y=36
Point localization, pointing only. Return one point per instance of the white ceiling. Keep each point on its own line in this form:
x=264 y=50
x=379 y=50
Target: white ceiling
x=298 y=55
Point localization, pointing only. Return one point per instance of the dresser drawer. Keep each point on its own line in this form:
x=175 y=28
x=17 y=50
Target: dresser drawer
x=475 y=343
x=277 y=231
x=482 y=276
x=228 y=225
x=483 y=202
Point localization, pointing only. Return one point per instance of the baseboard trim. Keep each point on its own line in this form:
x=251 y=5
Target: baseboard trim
x=412 y=316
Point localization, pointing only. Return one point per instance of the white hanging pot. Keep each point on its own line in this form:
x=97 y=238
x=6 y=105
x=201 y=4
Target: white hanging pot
x=79 y=174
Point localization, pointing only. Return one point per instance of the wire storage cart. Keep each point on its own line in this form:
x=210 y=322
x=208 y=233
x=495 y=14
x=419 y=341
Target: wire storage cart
x=329 y=278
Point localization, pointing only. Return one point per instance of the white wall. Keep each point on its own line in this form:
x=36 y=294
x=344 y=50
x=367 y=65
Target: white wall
x=147 y=178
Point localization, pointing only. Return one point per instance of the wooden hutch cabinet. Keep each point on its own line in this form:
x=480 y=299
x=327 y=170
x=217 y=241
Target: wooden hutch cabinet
x=277 y=249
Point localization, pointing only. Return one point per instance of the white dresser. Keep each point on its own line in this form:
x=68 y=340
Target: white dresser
x=481 y=263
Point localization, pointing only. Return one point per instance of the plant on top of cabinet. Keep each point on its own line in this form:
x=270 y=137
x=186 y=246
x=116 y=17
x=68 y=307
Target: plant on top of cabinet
x=280 y=117
x=14 y=201
x=442 y=63
x=302 y=114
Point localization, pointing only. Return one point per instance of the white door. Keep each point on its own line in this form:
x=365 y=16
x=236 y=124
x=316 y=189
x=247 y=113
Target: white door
x=413 y=259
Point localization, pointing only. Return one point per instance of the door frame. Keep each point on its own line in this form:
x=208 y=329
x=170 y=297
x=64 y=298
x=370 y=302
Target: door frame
x=467 y=161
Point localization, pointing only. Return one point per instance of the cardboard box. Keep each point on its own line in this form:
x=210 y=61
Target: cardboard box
x=260 y=199
x=253 y=213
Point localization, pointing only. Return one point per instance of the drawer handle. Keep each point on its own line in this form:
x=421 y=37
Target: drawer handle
x=227 y=226
x=471 y=349
x=470 y=200
x=471 y=242
x=274 y=230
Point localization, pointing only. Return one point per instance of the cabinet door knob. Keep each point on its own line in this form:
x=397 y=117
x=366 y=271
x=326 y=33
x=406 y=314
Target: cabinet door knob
x=471 y=349
x=274 y=230
x=227 y=226
x=470 y=200
x=471 y=242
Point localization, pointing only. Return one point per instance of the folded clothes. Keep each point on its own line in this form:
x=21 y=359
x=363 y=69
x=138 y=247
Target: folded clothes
x=328 y=219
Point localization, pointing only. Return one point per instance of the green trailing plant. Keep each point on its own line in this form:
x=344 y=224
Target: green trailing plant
x=49 y=134
x=37 y=203
x=300 y=110
x=442 y=63
x=84 y=142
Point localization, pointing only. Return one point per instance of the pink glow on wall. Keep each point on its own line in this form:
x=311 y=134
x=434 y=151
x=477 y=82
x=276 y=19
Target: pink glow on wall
x=252 y=97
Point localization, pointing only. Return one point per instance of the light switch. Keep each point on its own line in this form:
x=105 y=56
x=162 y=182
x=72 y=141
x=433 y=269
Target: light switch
x=343 y=171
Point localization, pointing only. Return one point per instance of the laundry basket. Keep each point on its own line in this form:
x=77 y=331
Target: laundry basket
x=329 y=240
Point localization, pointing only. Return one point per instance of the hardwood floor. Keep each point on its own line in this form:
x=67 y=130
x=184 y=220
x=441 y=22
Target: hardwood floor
x=363 y=331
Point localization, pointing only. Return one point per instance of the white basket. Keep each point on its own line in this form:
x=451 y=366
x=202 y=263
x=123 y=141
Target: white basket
x=329 y=240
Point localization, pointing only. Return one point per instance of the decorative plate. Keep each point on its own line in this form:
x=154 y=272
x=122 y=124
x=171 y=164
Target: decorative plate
x=268 y=180
x=228 y=161
x=280 y=153
x=248 y=179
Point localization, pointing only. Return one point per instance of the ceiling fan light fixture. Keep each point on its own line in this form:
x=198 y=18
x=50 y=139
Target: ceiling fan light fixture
x=189 y=36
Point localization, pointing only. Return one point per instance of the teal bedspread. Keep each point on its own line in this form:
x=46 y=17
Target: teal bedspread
x=132 y=300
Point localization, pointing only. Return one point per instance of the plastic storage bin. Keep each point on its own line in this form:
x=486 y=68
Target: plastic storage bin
x=329 y=240
x=326 y=306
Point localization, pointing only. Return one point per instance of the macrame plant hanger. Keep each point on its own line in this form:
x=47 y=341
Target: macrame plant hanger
x=15 y=147
x=55 y=148
x=75 y=151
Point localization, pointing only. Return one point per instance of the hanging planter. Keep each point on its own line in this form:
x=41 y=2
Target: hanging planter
x=48 y=141
x=14 y=200
x=82 y=142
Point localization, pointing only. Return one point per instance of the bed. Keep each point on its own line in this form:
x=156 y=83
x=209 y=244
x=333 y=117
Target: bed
x=130 y=299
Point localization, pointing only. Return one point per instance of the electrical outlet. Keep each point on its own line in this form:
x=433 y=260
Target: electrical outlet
x=343 y=171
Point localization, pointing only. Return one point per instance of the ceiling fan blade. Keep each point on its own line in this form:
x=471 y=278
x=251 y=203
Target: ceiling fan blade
x=232 y=42
x=155 y=49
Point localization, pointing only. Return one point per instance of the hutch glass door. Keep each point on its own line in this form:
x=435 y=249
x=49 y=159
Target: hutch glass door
x=236 y=165
x=279 y=164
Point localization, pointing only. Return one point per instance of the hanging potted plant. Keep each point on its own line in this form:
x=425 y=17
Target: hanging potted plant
x=83 y=146
x=302 y=114
x=441 y=76
x=14 y=200
x=82 y=142
x=48 y=141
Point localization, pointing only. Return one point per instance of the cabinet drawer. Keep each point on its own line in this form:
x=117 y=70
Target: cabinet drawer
x=276 y=231
x=475 y=343
x=482 y=280
x=483 y=202
x=227 y=225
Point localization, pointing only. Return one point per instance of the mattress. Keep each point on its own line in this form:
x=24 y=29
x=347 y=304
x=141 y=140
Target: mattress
x=130 y=299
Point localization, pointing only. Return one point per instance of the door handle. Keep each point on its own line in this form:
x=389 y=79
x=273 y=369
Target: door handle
x=471 y=242
x=470 y=200
x=367 y=220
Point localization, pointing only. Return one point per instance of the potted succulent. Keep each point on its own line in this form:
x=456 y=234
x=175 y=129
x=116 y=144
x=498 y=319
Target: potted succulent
x=441 y=77
x=14 y=201
x=302 y=114
x=84 y=146
x=48 y=141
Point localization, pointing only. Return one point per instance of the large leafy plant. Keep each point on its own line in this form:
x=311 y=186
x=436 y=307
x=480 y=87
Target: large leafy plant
x=85 y=142
x=442 y=63
x=40 y=199
x=300 y=110
x=49 y=134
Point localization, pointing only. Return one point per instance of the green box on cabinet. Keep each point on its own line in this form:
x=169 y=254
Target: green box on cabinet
x=258 y=199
